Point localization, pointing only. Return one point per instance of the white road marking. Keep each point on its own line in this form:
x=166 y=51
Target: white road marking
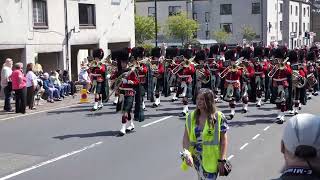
x=255 y=137
x=266 y=128
x=242 y=147
x=50 y=161
x=230 y=157
x=27 y=114
x=149 y=124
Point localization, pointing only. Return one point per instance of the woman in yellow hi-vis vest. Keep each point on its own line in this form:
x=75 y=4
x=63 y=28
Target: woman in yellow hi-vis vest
x=205 y=138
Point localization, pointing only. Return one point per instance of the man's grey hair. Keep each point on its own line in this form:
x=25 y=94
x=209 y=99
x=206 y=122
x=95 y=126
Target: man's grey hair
x=18 y=65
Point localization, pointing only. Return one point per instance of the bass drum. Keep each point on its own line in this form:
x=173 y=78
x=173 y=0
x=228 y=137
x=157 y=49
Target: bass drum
x=311 y=79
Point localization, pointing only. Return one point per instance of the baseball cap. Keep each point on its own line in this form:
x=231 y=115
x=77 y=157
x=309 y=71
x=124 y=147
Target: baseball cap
x=301 y=135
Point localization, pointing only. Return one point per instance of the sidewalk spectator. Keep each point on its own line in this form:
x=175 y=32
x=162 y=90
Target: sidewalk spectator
x=19 y=87
x=6 y=83
x=32 y=83
x=66 y=80
x=52 y=92
x=54 y=78
x=300 y=146
x=84 y=78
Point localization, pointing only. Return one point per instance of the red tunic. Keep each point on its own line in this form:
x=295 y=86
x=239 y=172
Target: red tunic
x=233 y=78
x=97 y=73
x=142 y=73
x=186 y=73
x=128 y=88
x=281 y=76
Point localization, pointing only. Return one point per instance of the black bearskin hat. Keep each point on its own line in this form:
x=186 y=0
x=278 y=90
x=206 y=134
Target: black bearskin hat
x=156 y=52
x=258 y=52
x=311 y=56
x=239 y=49
x=120 y=55
x=186 y=53
x=230 y=55
x=223 y=48
x=280 y=52
x=171 y=53
x=214 y=50
x=315 y=49
x=246 y=53
x=293 y=56
x=200 y=55
x=267 y=52
x=98 y=53
x=302 y=55
x=137 y=52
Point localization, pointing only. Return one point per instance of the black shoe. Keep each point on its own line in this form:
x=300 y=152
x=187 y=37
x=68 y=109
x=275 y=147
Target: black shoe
x=244 y=111
x=9 y=110
x=182 y=114
x=154 y=105
x=258 y=105
x=231 y=116
x=300 y=108
x=279 y=121
x=129 y=130
x=120 y=134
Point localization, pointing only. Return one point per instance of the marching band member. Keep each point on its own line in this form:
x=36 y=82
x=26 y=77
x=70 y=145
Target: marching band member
x=312 y=74
x=247 y=78
x=232 y=75
x=267 y=89
x=203 y=75
x=97 y=73
x=260 y=66
x=298 y=80
x=281 y=75
x=126 y=79
x=158 y=74
x=137 y=54
x=216 y=66
x=171 y=63
x=185 y=74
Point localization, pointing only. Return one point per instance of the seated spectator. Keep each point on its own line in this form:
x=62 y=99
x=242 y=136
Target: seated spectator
x=52 y=92
x=54 y=78
x=66 y=81
x=84 y=78
x=300 y=146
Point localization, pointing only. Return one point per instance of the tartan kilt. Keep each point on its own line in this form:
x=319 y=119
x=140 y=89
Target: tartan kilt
x=126 y=104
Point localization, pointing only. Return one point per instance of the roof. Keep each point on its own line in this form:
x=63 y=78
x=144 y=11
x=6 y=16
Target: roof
x=207 y=41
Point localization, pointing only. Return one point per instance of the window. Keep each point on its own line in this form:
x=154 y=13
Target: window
x=281 y=7
x=308 y=27
x=207 y=34
x=40 y=13
x=174 y=10
x=255 y=8
x=226 y=27
x=87 y=15
x=296 y=29
x=281 y=25
x=151 y=12
x=296 y=10
x=304 y=12
x=291 y=9
x=308 y=11
x=195 y=16
x=225 y=9
x=304 y=27
x=207 y=17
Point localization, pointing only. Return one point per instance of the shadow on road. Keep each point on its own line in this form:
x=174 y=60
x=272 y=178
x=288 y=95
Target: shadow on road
x=89 y=135
x=67 y=111
x=253 y=122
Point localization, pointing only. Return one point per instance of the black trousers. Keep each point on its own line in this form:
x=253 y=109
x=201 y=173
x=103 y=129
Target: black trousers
x=7 y=97
x=20 y=100
x=30 y=97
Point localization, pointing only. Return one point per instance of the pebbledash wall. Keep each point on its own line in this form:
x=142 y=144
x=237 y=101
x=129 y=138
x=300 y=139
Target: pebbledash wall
x=110 y=26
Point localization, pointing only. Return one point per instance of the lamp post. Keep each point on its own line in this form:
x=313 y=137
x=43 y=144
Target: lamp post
x=156 y=22
x=207 y=32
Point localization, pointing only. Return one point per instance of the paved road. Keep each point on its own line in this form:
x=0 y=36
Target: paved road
x=74 y=143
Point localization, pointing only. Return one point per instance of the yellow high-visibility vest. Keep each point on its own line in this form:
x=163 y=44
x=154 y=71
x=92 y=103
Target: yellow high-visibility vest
x=210 y=143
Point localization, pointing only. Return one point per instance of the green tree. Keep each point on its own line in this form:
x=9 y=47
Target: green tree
x=221 y=36
x=181 y=27
x=248 y=33
x=144 y=29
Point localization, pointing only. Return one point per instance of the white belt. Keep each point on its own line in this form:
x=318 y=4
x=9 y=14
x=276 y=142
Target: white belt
x=185 y=76
x=126 y=89
x=140 y=76
x=282 y=79
x=232 y=81
x=258 y=72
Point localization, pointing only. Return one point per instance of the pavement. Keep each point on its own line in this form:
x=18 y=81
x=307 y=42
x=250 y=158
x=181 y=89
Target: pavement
x=75 y=143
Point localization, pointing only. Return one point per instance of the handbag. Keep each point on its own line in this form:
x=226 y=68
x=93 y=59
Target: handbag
x=227 y=167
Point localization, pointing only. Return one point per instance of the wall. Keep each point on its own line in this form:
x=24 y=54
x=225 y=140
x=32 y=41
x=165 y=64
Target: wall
x=201 y=7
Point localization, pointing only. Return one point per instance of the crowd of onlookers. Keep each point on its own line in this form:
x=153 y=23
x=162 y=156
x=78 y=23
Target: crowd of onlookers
x=34 y=84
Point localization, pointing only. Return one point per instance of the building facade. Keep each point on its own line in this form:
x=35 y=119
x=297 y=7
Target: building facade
x=315 y=19
x=285 y=22
x=60 y=34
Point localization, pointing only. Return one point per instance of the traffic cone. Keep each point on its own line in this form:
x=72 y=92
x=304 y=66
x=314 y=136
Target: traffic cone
x=84 y=96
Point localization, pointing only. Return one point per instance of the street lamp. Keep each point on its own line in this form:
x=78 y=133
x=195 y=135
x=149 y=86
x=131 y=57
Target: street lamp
x=156 y=22
x=207 y=32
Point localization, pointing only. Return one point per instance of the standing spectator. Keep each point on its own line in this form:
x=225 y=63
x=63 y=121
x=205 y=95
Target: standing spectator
x=6 y=84
x=300 y=146
x=19 y=87
x=32 y=84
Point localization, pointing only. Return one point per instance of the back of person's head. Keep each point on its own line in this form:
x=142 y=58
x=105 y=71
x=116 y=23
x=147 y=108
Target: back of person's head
x=18 y=65
x=301 y=141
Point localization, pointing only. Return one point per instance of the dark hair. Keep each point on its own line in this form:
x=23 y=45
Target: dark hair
x=30 y=67
x=210 y=105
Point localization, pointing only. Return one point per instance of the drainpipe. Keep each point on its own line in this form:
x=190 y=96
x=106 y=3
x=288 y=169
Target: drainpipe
x=66 y=34
x=262 y=22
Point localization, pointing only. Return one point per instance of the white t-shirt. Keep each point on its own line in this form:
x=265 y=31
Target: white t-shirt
x=31 y=79
x=5 y=76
